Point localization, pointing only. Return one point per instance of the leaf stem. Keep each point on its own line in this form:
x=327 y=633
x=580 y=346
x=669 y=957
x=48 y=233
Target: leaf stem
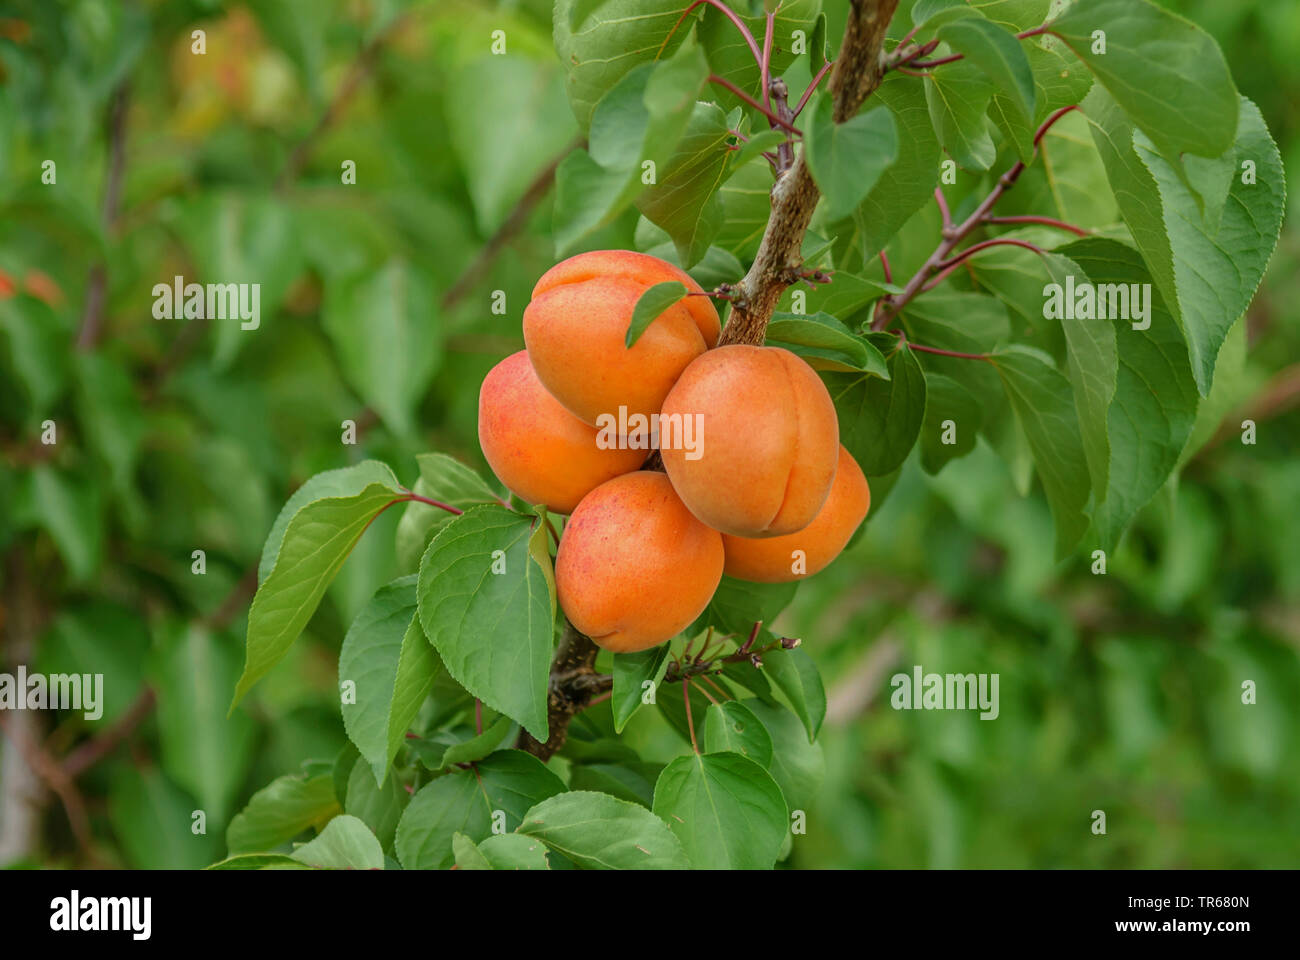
x=690 y=723
x=730 y=15
x=776 y=121
x=1045 y=221
x=425 y=500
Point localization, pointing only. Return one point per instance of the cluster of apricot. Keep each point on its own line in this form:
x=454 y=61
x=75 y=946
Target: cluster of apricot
x=766 y=493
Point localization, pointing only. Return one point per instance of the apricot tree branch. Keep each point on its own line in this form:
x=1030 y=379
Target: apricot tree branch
x=857 y=72
x=574 y=682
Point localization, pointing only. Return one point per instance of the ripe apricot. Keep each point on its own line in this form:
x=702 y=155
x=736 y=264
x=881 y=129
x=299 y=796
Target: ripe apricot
x=576 y=327
x=634 y=566
x=537 y=448
x=774 y=559
x=766 y=446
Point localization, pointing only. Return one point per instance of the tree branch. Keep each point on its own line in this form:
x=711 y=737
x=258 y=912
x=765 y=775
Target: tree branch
x=856 y=74
x=574 y=682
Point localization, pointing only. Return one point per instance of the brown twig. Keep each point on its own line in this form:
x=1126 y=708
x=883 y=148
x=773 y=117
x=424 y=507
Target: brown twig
x=89 y=753
x=857 y=72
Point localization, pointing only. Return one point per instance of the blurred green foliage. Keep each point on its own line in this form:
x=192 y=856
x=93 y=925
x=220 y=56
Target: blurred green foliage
x=1119 y=693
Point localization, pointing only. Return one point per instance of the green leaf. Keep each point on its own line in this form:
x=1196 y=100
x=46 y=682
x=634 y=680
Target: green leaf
x=909 y=183
x=726 y=810
x=763 y=141
x=957 y=97
x=796 y=675
x=729 y=55
x=202 y=750
x=738 y=604
x=345 y=844
x=311 y=538
x=487 y=604
x=342 y=483
x=506 y=851
x=880 y=420
x=1206 y=274
x=501 y=160
x=39 y=350
x=939 y=11
x=509 y=781
x=732 y=727
x=641 y=119
x=1093 y=362
x=448 y=481
x=651 y=305
x=98 y=637
x=70 y=512
x=1044 y=406
x=631 y=672
x=110 y=414
x=798 y=765
x=259 y=861
x=280 y=811
x=477 y=747
x=600 y=832
x=847 y=159
x=632 y=781
x=1151 y=415
x=947 y=399
x=684 y=199
x=391 y=669
x=380 y=806
x=151 y=818
x=237 y=237
x=600 y=43
x=1167 y=74
x=999 y=54
x=1060 y=80
x=387 y=337
x=826 y=344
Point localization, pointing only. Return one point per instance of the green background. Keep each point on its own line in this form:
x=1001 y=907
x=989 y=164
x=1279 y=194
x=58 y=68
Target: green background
x=1118 y=693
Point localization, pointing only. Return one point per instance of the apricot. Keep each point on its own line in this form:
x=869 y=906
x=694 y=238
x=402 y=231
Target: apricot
x=810 y=550
x=767 y=441
x=634 y=567
x=575 y=329
x=537 y=448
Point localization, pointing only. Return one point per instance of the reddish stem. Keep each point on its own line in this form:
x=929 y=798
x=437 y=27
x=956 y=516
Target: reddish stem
x=765 y=65
x=1045 y=221
x=729 y=14
x=813 y=86
x=690 y=724
x=884 y=263
x=1024 y=35
x=940 y=199
x=776 y=121
x=425 y=500
x=986 y=244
